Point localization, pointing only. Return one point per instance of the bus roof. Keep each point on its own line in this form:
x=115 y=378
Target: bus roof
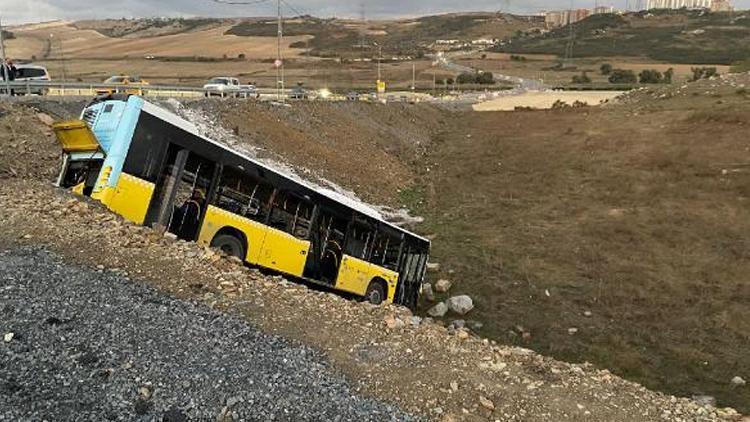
x=355 y=205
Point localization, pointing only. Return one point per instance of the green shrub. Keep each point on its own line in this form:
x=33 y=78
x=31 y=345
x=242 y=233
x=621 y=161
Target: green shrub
x=741 y=66
x=486 y=78
x=622 y=76
x=651 y=76
x=466 y=78
x=606 y=69
x=583 y=78
x=703 y=73
x=668 y=75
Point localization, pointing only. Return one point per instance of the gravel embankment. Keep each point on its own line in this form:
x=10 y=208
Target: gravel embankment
x=82 y=344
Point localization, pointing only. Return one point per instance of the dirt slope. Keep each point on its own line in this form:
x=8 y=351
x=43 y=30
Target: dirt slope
x=385 y=353
x=627 y=223
x=371 y=149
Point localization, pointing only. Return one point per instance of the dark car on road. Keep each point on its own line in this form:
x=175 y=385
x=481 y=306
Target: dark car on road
x=299 y=93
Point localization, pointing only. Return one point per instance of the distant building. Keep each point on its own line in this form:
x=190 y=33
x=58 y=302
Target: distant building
x=721 y=6
x=680 y=4
x=484 y=41
x=557 y=18
x=447 y=42
x=601 y=10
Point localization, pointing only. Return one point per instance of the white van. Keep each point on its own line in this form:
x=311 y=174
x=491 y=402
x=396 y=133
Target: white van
x=31 y=73
x=223 y=86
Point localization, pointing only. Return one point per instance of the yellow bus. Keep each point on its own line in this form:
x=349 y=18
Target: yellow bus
x=153 y=168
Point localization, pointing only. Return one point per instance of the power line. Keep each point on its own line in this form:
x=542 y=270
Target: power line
x=294 y=9
x=245 y=3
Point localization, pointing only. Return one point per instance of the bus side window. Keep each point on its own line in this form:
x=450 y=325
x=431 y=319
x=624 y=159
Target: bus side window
x=146 y=152
x=359 y=242
x=242 y=194
x=392 y=252
x=386 y=250
x=291 y=214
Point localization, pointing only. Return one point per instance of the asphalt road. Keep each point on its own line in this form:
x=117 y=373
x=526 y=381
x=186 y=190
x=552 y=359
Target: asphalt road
x=85 y=344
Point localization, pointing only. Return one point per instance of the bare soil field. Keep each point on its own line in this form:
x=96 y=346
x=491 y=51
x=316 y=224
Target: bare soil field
x=71 y=42
x=545 y=100
x=192 y=57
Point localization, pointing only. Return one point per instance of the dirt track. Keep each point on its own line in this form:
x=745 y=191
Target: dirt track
x=545 y=100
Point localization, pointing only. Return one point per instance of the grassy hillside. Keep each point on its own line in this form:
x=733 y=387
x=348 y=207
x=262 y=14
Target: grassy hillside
x=671 y=36
x=147 y=27
x=341 y=37
x=629 y=223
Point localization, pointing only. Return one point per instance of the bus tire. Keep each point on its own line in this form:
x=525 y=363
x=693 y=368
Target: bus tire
x=375 y=292
x=230 y=245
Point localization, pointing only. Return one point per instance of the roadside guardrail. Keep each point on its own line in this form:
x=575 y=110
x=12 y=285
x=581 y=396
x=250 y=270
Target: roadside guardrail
x=83 y=89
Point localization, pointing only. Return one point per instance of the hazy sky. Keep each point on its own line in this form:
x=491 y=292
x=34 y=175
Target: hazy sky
x=17 y=11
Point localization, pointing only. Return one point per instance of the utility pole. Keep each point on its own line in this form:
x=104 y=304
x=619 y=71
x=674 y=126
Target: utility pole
x=279 y=58
x=2 y=56
x=413 y=76
x=380 y=56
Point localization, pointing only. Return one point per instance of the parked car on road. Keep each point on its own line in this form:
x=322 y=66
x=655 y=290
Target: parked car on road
x=131 y=85
x=249 y=91
x=223 y=86
x=32 y=73
x=352 y=96
x=299 y=93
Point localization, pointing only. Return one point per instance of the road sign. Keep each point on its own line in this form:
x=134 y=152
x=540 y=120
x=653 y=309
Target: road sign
x=381 y=87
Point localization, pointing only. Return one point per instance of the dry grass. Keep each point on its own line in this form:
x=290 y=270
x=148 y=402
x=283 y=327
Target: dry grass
x=80 y=44
x=638 y=216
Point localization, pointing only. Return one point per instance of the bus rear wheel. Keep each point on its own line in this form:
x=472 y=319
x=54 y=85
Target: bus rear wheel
x=375 y=293
x=230 y=245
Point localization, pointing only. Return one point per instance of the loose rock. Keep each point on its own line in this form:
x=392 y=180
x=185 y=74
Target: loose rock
x=438 y=310
x=460 y=304
x=443 y=285
x=427 y=292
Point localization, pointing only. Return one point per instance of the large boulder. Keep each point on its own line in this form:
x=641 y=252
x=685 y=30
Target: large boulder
x=460 y=304
x=438 y=310
x=443 y=285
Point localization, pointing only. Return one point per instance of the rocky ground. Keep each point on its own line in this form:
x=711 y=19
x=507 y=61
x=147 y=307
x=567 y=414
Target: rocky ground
x=385 y=353
x=85 y=344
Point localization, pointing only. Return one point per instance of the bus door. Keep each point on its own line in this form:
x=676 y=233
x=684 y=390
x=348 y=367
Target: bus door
x=179 y=201
x=326 y=249
x=286 y=246
x=355 y=271
x=411 y=274
x=82 y=156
